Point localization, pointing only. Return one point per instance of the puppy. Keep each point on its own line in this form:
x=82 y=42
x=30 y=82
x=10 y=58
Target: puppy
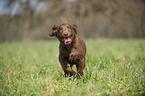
x=72 y=49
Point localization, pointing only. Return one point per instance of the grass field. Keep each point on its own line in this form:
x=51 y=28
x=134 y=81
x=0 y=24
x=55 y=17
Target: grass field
x=113 y=67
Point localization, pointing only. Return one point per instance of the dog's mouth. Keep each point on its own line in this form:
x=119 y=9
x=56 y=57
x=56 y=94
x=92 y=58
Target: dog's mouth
x=67 y=41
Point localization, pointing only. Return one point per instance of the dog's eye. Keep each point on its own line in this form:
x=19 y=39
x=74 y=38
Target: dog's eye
x=71 y=35
x=61 y=29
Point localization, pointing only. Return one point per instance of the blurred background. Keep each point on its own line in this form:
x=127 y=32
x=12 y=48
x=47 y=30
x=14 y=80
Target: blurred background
x=27 y=20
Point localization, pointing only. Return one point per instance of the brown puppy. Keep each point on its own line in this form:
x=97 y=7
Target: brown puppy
x=72 y=49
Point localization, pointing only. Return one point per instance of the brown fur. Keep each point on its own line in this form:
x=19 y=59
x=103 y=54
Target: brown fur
x=70 y=53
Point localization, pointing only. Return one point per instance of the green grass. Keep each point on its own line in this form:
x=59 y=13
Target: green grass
x=113 y=67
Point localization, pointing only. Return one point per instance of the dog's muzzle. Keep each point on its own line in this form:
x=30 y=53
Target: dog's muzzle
x=67 y=41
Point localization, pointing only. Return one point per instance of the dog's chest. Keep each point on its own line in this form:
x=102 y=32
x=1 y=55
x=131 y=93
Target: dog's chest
x=74 y=57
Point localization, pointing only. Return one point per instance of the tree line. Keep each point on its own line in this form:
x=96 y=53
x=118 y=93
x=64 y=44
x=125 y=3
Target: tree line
x=94 y=18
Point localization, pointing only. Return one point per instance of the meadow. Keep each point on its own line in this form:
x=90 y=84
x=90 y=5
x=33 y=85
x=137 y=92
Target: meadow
x=113 y=67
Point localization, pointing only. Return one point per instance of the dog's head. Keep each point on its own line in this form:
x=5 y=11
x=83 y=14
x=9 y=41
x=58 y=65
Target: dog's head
x=64 y=32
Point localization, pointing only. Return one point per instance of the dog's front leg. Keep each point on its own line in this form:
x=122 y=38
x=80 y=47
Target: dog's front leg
x=68 y=71
x=80 y=66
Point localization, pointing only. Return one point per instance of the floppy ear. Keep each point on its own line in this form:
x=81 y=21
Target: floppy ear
x=74 y=27
x=53 y=31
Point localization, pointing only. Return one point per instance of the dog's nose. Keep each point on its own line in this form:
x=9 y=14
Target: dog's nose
x=66 y=34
